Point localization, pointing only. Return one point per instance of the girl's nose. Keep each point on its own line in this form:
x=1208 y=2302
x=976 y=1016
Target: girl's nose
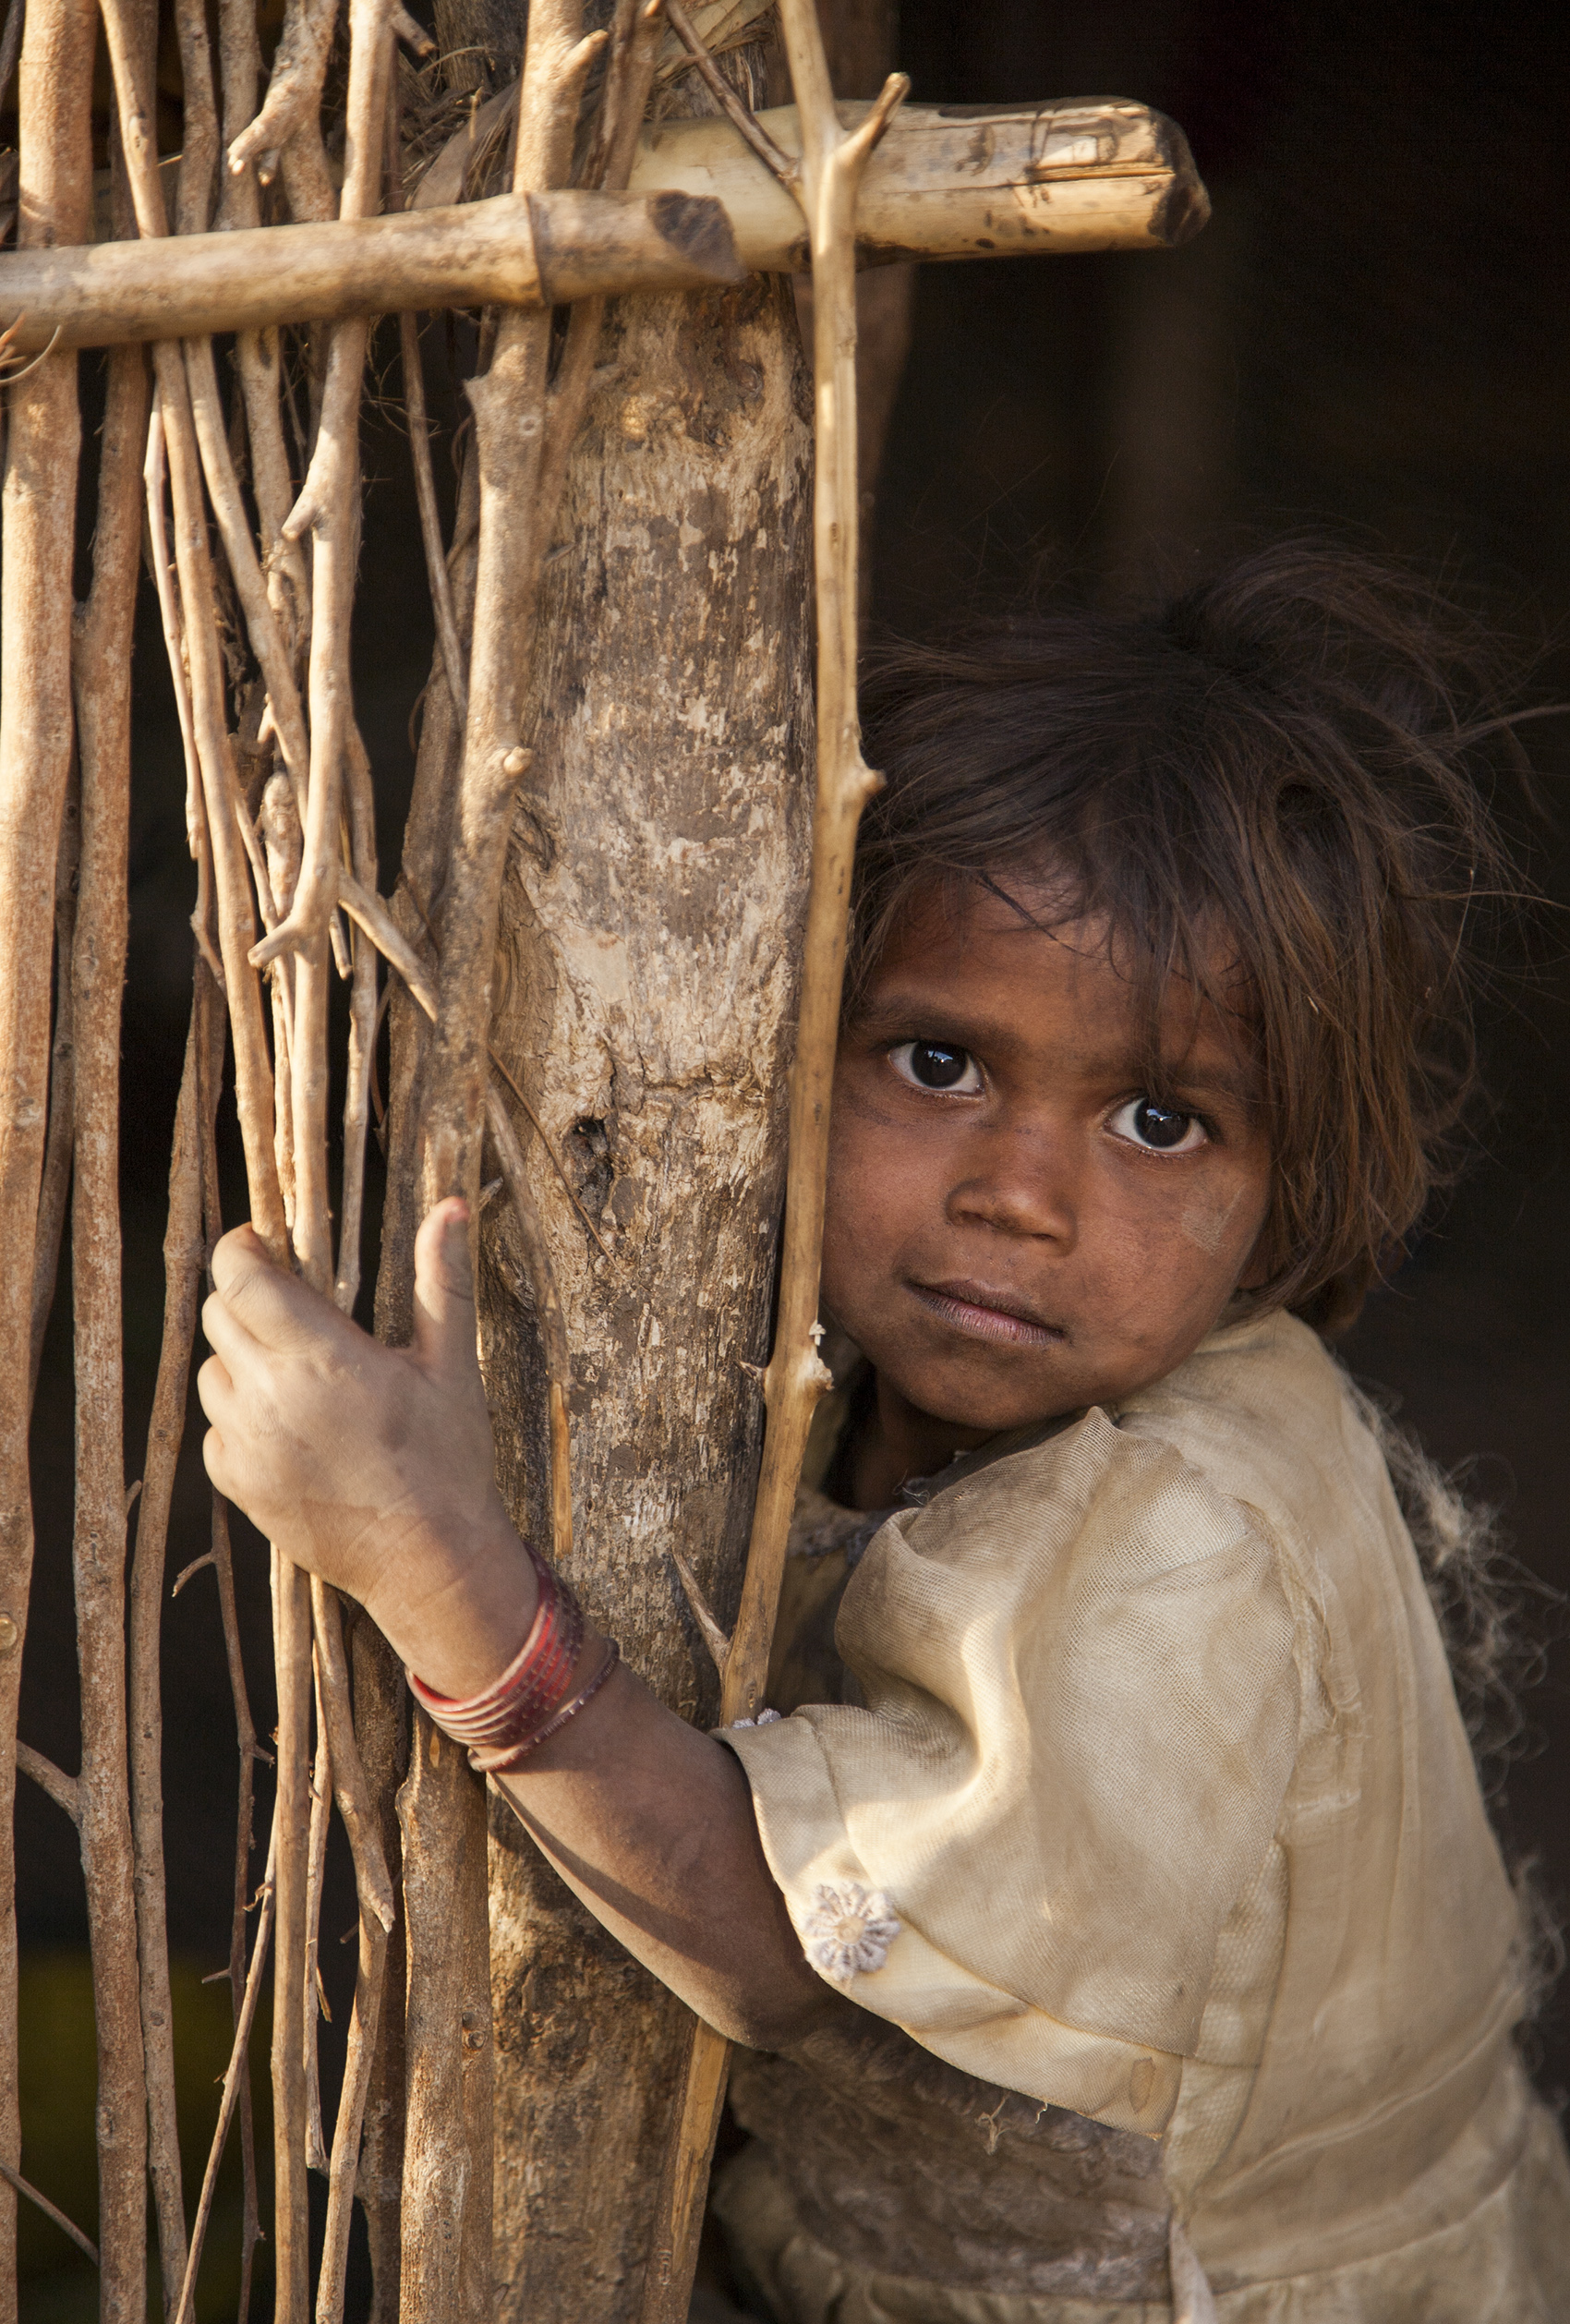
x=1020 y=1185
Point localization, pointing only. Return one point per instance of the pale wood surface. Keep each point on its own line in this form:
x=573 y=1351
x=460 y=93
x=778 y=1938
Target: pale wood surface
x=645 y=1001
x=1008 y=182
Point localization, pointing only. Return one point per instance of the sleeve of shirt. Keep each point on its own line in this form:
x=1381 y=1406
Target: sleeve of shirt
x=1081 y=1713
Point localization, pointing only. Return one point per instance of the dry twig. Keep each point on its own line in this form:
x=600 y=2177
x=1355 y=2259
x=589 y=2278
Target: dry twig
x=14 y=2178
x=56 y=1180
x=832 y=162
x=183 y=1252
x=773 y=156
x=234 y=2080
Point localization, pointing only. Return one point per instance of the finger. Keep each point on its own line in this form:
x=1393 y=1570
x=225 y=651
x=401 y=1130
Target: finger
x=226 y=1336
x=273 y=1307
x=214 y=1459
x=215 y=1389
x=444 y=1291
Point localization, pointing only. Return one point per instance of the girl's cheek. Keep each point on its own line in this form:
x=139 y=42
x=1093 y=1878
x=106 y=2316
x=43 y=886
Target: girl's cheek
x=1206 y=1219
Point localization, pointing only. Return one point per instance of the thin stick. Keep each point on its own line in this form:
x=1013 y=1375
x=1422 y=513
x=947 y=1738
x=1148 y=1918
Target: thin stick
x=183 y=1252
x=294 y=93
x=832 y=162
x=57 y=1184
x=438 y=579
x=345 y=2169
x=740 y=117
x=372 y=1878
x=244 y=1732
x=103 y=687
x=267 y=638
x=42 y=440
x=155 y=474
x=257 y=353
x=311 y=2000
x=198 y=132
x=329 y=508
x=232 y=2079
x=362 y=1030
x=291 y=1818
x=11 y=42
x=51 y=1780
x=236 y=925
x=15 y=2178
x=635 y=44
x=548 y=1312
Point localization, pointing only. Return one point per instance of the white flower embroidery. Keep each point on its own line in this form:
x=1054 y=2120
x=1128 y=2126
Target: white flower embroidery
x=763 y=1719
x=849 y=1931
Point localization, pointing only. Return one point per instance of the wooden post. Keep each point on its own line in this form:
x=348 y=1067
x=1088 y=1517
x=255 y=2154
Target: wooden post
x=645 y=987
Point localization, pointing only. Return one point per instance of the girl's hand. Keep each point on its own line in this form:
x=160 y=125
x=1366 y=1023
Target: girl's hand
x=372 y=1466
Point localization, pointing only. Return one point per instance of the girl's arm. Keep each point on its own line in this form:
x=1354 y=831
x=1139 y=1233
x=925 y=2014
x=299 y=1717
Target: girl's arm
x=373 y=1467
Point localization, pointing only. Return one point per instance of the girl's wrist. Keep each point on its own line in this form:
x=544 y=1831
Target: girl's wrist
x=470 y=1616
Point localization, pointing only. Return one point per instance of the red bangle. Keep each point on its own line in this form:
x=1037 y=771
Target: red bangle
x=504 y=1759
x=517 y=1709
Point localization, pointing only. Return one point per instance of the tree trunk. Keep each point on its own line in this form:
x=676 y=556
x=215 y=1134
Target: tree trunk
x=644 y=998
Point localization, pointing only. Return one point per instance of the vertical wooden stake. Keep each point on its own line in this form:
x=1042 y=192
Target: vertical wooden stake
x=832 y=162
x=43 y=439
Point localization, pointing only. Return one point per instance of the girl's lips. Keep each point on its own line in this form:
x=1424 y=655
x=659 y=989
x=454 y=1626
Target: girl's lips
x=984 y=1313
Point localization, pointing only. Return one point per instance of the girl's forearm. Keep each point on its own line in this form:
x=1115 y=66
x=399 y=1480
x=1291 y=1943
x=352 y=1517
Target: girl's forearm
x=651 y=1824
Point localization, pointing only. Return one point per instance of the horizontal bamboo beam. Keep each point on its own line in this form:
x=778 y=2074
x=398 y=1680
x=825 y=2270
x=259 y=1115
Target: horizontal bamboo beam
x=954 y=181
x=946 y=183
x=515 y=250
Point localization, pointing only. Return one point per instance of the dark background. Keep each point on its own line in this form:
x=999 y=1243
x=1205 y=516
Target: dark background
x=1370 y=336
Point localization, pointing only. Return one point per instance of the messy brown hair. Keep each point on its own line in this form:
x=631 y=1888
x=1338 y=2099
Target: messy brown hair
x=1286 y=770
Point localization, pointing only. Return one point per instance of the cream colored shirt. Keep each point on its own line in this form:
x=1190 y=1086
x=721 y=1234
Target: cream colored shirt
x=1161 y=1774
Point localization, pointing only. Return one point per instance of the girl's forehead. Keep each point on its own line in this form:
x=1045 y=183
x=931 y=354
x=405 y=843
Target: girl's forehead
x=1024 y=952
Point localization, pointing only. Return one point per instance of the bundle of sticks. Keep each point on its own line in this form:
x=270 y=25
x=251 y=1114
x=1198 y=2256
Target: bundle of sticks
x=281 y=820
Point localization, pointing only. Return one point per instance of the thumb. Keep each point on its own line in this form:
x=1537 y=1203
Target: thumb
x=444 y=1291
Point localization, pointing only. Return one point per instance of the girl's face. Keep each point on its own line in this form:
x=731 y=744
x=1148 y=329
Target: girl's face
x=1019 y=1225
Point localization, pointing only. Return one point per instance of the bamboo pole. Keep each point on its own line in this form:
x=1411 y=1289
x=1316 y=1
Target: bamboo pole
x=38 y=500
x=834 y=160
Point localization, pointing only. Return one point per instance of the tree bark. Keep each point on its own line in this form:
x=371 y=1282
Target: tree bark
x=644 y=999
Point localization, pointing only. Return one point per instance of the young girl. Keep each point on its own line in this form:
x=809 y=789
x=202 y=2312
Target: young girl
x=1113 y=1926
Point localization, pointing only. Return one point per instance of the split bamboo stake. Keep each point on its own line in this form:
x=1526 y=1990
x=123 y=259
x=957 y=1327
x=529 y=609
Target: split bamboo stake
x=39 y=513
x=833 y=161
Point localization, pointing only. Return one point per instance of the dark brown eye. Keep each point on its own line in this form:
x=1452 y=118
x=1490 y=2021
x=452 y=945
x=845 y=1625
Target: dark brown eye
x=1159 y=1129
x=937 y=1065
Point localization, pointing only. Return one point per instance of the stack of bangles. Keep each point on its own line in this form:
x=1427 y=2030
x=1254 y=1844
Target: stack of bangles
x=529 y=1702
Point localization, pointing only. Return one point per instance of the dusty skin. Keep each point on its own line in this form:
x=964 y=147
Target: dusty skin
x=1013 y=1247
x=1005 y=1248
